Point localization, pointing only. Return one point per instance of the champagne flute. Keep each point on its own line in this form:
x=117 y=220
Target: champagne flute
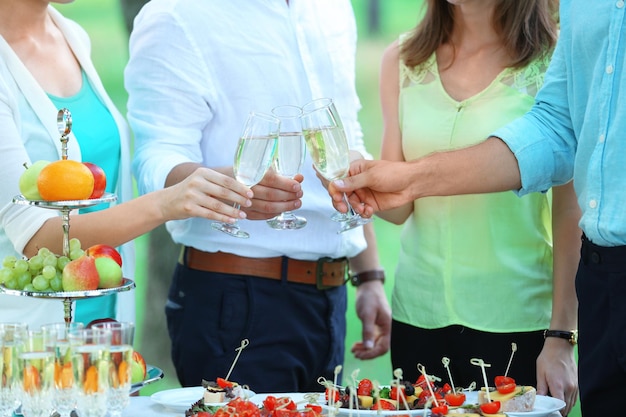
x=253 y=157
x=12 y=340
x=289 y=159
x=36 y=373
x=327 y=144
x=121 y=358
x=57 y=341
x=90 y=365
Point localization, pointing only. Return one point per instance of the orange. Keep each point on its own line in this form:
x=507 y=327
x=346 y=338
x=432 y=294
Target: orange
x=65 y=180
x=32 y=379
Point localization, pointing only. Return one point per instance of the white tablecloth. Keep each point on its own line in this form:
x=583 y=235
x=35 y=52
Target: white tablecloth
x=145 y=407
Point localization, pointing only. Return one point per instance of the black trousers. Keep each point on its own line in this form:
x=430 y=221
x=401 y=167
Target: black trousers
x=601 y=290
x=412 y=345
x=296 y=332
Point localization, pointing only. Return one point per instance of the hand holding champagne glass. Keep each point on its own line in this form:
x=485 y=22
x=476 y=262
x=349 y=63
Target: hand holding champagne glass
x=253 y=157
x=289 y=159
x=327 y=144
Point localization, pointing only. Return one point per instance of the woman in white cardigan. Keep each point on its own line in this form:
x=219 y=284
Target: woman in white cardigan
x=44 y=63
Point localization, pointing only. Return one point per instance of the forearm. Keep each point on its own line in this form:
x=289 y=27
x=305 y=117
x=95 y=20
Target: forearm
x=566 y=239
x=114 y=226
x=368 y=259
x=182 y=171
x=487 y=167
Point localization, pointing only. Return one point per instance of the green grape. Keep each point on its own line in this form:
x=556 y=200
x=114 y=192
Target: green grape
x=49 y=272
x=23 y=279
x=56 y=284
x=35 y=263
x=40 y=283
x=9 y=261
x=30 y=288
x=50 y=259
x=11 y=283
x=74 y=244
x=21 y=266
x=61 y=262
x=43 y=252
x=6 y=274
x=76 y=253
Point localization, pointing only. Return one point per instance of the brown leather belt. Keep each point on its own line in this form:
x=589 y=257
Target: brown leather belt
x=324 y=273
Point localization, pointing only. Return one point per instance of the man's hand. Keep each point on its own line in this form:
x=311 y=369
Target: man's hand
x=373 y=186
x=374 y=312
x=274 y=195
x=556 y=372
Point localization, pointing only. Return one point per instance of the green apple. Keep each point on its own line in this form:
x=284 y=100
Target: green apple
x=109 y=271
x=28 y=180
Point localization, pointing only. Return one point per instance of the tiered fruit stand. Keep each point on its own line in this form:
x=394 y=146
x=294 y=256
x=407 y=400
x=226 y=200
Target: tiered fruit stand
x=64 y=123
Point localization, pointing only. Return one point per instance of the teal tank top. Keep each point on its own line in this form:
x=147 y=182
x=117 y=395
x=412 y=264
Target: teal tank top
x=98 y=137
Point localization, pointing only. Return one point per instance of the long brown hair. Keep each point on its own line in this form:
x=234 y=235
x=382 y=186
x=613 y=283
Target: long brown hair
x=528 y=29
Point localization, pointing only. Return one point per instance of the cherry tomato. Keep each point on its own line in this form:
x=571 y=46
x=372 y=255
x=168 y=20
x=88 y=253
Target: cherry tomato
x=286 y=403
x=332 y=395
x=269 y=403
x=222 y=383
x=383 y=404
x=505 y=384
x=490 y=408
x=455 y=399
x=446 y=388
x=441 y=410
x=365 y=387
x=314 y=407
x=397 y=393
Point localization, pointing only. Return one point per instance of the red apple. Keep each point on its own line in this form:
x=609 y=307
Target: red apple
x=109 y=271
x=100 y=180
x=104 y=250
x=139 y=370
x=81 y=275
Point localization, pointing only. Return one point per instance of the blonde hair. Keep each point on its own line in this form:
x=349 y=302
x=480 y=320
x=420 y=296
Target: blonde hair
x=528 y=29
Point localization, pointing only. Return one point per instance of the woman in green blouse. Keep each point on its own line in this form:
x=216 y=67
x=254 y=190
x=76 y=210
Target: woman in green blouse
x=477 y=273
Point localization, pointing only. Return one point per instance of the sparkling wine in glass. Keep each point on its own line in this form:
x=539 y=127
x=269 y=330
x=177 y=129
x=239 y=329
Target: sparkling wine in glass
x=36 y=374
x=327 y=144
x=121 y=357
x=90 y=350
x=253 y=157
x=56 y=337
x=289 y=159
x=12 y=340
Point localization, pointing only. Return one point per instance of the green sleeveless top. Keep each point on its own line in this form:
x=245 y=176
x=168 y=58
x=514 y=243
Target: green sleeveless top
x=480 y=261
x=99 y=141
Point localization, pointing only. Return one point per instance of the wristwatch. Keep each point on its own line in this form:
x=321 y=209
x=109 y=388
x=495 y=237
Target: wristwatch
x=360 y=278
x=570 y=335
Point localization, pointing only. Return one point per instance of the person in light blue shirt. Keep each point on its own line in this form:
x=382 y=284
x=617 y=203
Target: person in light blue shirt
x=576 y=129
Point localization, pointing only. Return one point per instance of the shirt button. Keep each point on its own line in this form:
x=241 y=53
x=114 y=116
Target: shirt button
x=609 y=69
x=619 y=4
x=601 y=138
x=593 y=204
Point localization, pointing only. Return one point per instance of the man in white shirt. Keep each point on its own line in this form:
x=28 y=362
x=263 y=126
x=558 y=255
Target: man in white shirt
x=196 y=70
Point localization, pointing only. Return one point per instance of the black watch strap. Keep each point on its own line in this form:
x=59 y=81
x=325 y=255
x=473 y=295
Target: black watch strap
x=570 y=335
x=360 y=278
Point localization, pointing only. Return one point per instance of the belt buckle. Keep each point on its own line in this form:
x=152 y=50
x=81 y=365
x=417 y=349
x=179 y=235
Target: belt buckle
x=319 y=273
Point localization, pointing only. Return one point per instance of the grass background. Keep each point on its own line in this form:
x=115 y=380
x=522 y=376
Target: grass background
x=103 y=21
